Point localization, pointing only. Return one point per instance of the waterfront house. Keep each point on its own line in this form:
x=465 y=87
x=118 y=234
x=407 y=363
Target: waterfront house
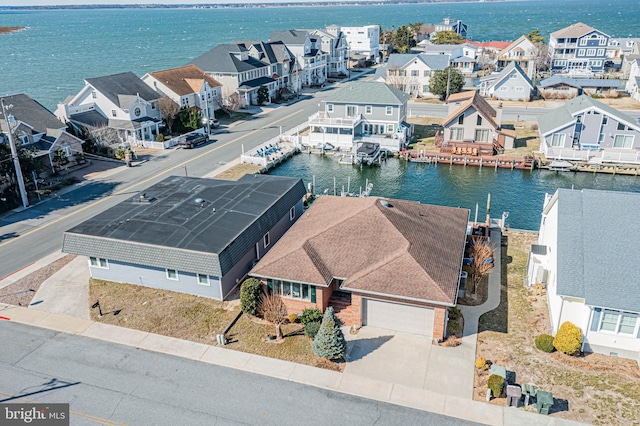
x=633 y=83
x=578 y=50
x=386 y=263
x=188 y=87
x=474 y=127
x=37 y=129
x=589 y=264
x=284 y=68
x=334 y=43
x=450 y=24
x=363 y=41
x=512 y=83
x=585 y=129
x=562 y=87
x=411 y=73
x=462 y=56
x=120 y=102
x=310 y=57
x=522 y=52
x=621 y=47
x=238 y=72
x=192 y=235
x=361 y=112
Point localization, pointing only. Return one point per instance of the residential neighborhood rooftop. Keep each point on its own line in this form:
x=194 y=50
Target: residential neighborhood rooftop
x=123 y=89
x=184 y=80
x=31 y=112
x=573 y=31
x=368 y=91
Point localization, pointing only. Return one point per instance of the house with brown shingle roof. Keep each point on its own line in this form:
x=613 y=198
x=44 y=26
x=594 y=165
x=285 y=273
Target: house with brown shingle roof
x=187 y=86
x=381 y=262
x=474 y=127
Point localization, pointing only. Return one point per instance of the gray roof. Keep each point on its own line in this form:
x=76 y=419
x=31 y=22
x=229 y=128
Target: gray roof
x=223 y=59
x=580 y=82
x=31 y=112
x=598 y=247
x=256 y=82
x=368 y=92
x=122 y=89
x=508 y=69
x=292 y=37
x=91 y=118
x=169 y=229
x=565 y=115
x=435 y=62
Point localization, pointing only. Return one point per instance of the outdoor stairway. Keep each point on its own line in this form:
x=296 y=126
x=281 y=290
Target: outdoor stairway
x=341 y=303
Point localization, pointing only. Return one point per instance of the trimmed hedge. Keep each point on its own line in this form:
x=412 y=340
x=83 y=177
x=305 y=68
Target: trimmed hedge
x=496 y=384
x=544 y=342
x=311 y=315
x=250 y=294
x=568 y=338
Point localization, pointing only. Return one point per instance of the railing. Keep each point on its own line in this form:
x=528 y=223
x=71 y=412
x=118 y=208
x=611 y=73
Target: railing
x=603 y=156
x=332 y=138
x=264 y=153
x=323 y=119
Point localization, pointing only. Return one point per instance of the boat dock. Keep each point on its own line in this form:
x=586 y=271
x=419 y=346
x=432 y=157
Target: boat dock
x=494 y=161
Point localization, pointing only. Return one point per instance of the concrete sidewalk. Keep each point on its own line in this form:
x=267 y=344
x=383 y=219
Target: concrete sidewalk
x=351 y=384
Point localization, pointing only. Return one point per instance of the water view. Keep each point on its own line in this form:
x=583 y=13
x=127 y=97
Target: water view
x=521 y=193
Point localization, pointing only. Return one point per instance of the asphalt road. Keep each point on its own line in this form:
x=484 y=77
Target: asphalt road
x=109 y=384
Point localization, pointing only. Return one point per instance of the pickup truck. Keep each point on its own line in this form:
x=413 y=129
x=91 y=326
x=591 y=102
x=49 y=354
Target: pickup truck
x=194 y=139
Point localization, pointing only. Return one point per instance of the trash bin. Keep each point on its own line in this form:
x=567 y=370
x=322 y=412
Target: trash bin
x=544 y=402
x=514 y=393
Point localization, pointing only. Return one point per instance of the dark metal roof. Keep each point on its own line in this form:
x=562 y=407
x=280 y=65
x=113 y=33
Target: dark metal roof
x=194 y=225
x=223 y=59
x=90 y=118
x=257 y=82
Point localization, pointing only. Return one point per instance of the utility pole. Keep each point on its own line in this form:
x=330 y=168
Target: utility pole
x=14 y=154
x=448 y=82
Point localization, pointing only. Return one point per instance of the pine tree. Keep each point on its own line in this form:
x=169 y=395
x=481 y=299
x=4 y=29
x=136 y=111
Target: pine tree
x=329 y=342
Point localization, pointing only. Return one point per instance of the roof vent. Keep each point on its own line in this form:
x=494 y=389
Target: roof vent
x=144 y=199
x=200 y=201
x=385 y=203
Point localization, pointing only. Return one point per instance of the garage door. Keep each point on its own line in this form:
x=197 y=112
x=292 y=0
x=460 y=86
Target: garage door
x=399 y=317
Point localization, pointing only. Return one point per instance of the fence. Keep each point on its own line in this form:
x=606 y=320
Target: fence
x=260 y=154
x=604 y=156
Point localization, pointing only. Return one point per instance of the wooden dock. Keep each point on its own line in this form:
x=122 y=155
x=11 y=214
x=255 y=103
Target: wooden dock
x=492 y=161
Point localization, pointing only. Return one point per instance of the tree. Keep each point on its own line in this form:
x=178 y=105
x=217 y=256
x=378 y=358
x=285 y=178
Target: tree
x=396 y=77
x=450 y=77
x=487 y=60
x=403 y=39
x=263 y=95
x=250 y=294
x=329 y=341
x=540 y=55
x=168 y=110
x=481 y=263
x=273 y=309
x=188 y=119
x=447 y=37
x=568 y=338
x=102 y=136
x=535 y=37
x=230 y=103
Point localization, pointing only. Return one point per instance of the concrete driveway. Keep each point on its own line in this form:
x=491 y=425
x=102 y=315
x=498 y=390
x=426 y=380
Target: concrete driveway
x=409 y=360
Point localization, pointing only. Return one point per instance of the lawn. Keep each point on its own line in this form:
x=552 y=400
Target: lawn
x=424 y=131
x=239 y=170
x=527 y=138
x=595 y=388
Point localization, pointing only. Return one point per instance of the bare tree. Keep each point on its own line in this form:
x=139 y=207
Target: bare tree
x=487 y=60
x=273 y=309
x=482 y=260
x=103 y=135
x=397 y=78
x=168 y=110
x=540 y=56
x=230 y=103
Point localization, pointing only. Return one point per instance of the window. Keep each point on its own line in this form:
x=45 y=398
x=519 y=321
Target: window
x=389 y=110
x=94 y=95
x=461 y=119
x=482 y=135
x=113 y=113
x=292 y=213
x=514 y=75
x=352 y=110
x=266 y=240
x=329 y=107
x=425 y=88
x=503 y=88
x=427 y=73
x=519 y=89
x=479 y=120
x=621 y=126
x=600 y=52
x=389 y=128
x=609 y=321
x=153 y=105
x=600 y=138
x=172 y=274
x=580 y=52
x=293 y=290
x=618 y=322
x=557 y=139
x=583 y=42
x=605 y=120
x=98 y=262
x=368 y=109
x=203 y=279
x=414 y=73
x=456 y=134
x=623 y=141
x=579 y=119
x=591 y=52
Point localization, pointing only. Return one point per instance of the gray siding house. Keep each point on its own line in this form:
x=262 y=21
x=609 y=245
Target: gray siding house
x=585 y=129
x=193 y=235
x=362 y=112
x=510 y=84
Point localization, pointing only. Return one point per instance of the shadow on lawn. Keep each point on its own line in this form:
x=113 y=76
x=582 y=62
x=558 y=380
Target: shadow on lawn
x=497 y=319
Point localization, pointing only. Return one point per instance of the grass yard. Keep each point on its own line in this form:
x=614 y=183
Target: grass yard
x=184 y=316
x=424 y=131
x=248 y=333
x=239 y=170
x=596 y=389
x=527 y=138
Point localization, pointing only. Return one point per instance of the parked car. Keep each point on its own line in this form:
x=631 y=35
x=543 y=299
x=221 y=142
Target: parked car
x=214 y=123
x=194 y=139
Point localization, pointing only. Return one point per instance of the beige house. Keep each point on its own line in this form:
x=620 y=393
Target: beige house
x=522 y=52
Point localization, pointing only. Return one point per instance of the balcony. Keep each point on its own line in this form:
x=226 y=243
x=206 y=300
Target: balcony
x=322 y=119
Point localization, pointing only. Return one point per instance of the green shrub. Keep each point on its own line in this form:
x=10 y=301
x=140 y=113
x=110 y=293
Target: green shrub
x=311 y=315
x=453 y=328
x=311 y=329
x=454 y=313
x=496 y=384
x=568 y=338
x=329 y=342
x=250 y=294
x=159 y=137
x=544 y=342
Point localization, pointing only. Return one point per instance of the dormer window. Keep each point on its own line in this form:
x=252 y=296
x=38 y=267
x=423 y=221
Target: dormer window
x=94 y=95
x=461 y=119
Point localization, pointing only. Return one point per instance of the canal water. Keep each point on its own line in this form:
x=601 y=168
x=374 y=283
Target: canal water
x=521 y=193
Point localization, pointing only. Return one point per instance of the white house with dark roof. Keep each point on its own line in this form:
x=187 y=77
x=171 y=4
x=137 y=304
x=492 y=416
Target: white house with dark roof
x=39 y=130
x=334 y=42
x=450 y=24
x=284 y=67
x=512 y=83
x=362 y=112
x=587 y=130
x=307 y=48
x=578 y=49
x=188 y=87
x=192 y=235
x=462 y=56
x=411 y=73
x=122 y=102
x=237 y=71
x=587 y=256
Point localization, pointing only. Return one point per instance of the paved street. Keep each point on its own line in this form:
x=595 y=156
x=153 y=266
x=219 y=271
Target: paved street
x=106 y=383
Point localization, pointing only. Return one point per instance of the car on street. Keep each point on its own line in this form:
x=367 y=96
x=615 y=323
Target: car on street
x=214 y=123
x=193 y=140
